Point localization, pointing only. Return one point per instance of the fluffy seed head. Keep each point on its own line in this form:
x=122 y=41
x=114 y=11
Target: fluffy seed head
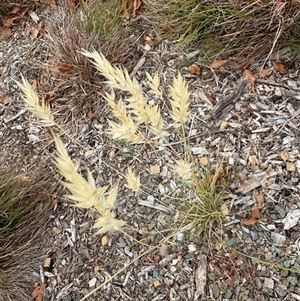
x=184 y=169
x=31 y=98
x=133 y=182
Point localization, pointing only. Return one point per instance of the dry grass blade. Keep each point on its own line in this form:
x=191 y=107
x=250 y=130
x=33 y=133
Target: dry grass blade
x=32 y=100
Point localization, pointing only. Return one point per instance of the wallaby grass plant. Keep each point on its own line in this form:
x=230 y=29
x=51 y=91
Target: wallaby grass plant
x=137 y=122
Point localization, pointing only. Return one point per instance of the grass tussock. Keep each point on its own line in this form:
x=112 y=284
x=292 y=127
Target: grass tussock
x=136 y=121
x=24 y=208
x=228 y=27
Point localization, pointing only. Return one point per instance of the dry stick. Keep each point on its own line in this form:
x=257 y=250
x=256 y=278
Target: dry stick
x=223 y=106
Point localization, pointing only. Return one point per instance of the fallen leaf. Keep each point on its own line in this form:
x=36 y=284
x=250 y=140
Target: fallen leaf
x=32 y=31
x=5 y=32
x=154 y=169
x=203 y=161
x=217 y=63
x=149 y=41
x=52 y=3
x=5 y=99
x=224 y=125
x=49 y=97
x=15 y=10
x=38 y=292
x=194 y=69
x=279 y=67
x=255 y=216
x=264 y=73
x=66 y=68
x=105 y=240
x=47 y=262
x=8 y=22
x=290 y=166
x=72 y=4
x=224 y=210
x=90 y=114
x=156 y=283
x=251 y=77
x=284 y=156
x=209 y=96
x=34 y=84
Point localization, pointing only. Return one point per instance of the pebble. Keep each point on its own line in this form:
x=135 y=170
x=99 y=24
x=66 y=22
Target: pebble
x=277 y=238
x=268 y=256
x=292 y=280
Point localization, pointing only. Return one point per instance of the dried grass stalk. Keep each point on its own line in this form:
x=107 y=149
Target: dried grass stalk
x=31 y=98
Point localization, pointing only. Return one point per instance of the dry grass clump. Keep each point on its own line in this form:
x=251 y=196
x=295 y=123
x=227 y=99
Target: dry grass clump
x=226 y=27
x=24 y=212
x=137 y=122
x=204 y=210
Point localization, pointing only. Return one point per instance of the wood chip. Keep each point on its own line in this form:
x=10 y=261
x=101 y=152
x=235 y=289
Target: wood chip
x=284 y=156
x=154 y=169
x=290 y=166
x=200 y=277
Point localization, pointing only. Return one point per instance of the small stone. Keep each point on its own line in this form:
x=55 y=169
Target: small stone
x=269 y=283
x=268 y=256
x=277 y=238
x=292 y=280
x=92 y=282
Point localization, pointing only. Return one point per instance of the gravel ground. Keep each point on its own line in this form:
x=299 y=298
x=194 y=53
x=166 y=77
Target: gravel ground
x=258 y=135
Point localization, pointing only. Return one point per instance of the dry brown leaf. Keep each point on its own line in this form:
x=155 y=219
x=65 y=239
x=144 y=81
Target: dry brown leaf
x=38 y=291
x=209 y=96
x=224 y=210
x=252 y=79
x=264 y=73
x=149 y=42
x=154 y=169
x=105 y=240
x=284 y=156
x=66 y=68
x=279 y=67
x=49 y=97
x=15 y=10
x=5 y=98
x=127 y=5
x=255 y=216
x=194 y=69
x=224 y=125
x=90 y=114
x=72 y=4
x=52 y=3
x=290 y=166
x=5 y=32
x=32 y=31
x=203 y=161
x=217 y=63
x=34 y=84
x=8 y=22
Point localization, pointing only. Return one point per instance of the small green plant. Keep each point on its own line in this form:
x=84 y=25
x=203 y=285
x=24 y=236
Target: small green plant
x=242 y=27
x=103 y=18
x=23 y=213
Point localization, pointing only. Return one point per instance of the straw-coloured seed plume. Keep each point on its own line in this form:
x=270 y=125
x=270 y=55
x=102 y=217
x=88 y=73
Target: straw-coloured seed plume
x=84 y=193
x=180 y=102
x=116 y=78
x=154 y=83
x=31 y=98
x=184 y=169
x=133 y=182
